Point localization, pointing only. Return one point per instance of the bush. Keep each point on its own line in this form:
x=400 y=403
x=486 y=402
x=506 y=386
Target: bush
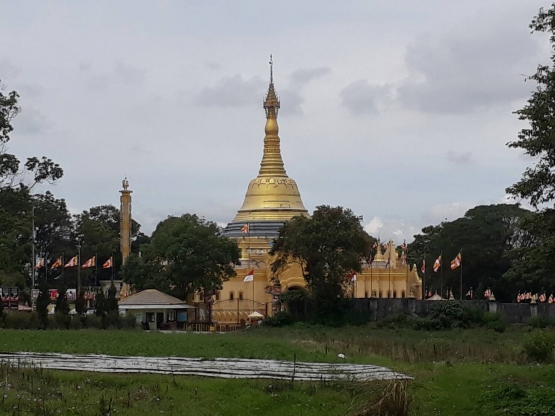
x=128 y=321
x=539 y=346
x=21 y=320
x=278 y=319
x=394 y=322
x=92 y=321
x=496 y=321
x=540 y=321
x=61 y=321
x=76 y=323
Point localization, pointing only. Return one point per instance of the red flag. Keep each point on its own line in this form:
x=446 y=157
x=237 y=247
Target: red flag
x=456 y=263
x=249 y=277
x=89 y=263
x=437 y=264
x=72 y=263
x=108 y=263
x=40 y=263
x=57 y=263
x=245 y=229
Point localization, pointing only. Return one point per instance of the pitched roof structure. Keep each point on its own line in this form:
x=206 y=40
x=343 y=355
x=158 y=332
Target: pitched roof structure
x=151 y=298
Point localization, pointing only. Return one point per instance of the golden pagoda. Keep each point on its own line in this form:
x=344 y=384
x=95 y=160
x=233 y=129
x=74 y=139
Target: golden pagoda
x=273 y=198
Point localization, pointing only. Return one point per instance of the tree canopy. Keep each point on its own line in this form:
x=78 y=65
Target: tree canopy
x=329 y=246
x=185 y=254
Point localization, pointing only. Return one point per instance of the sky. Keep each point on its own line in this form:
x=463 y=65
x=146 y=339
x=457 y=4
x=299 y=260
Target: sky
x=399 y=110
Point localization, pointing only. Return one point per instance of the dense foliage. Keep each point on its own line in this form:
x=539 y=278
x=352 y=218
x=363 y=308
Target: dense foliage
x=329 y=246
x=185 y=254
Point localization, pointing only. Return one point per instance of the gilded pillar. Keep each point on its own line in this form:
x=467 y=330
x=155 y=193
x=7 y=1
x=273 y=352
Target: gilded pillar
x=125 y=221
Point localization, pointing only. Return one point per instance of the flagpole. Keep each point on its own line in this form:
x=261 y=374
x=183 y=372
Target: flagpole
x=113 y=268
x=461 y=276
x=96 y=269
x=33 y=262
x=62 y=266
x=79 y=267
x=371 y=277
x=441 y=274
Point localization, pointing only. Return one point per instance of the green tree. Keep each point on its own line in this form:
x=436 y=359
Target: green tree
x=81 y=303
x=533 y=265
x=111 y=300
x=62 y=305
x=143 y=274
x=486 y=234
x=43 y=300
x=329 y=246
x=189 y=254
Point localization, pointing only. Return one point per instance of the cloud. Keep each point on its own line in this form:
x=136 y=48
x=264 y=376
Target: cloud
x=360 y=97
x=8 y=70
x=303 y=76
x=120 y=74
x=445 y=212
x=31 y=121
x=385 y=228
x=214 y=66
x=31 y=90
x=232 y=91
x=474 y=65
x=463 y=158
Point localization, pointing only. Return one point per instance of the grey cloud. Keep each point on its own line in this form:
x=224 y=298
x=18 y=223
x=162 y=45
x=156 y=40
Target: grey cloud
x=232 y=91
x=31 y=90
x=121 y=74
x=8 y=70
x=360 y=97
x=31 y=121
x=291 y=101
x=465 y=70
x=464 y=158
x=303 y=76
x=214 y=66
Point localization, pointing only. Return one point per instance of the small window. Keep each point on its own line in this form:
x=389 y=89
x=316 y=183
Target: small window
x=150 y=317
x=366 y=294
x=217 y=295
x=381 y=294
x=231 y=296
x=395 y=294
x=171 y=316
x=389 y=293
x=403 y=294
x=240 y=295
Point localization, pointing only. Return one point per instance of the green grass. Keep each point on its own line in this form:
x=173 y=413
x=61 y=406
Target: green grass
x=457 y=372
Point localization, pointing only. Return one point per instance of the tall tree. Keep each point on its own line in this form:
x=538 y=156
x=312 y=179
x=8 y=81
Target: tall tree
x=534 y=266
x=486 y=234
x=329 y=246
x=188 y=253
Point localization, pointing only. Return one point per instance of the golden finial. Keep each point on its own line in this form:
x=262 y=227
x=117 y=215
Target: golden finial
x=271 y=69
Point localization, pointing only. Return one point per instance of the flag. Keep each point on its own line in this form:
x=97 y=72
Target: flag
x=353 y=277
x=89 y=263
x=487 y=294
x=107 y=264
x=40 y=263
x=423 y=268
x=375 y=245
x=403 y=246
x=437 y=264
x=249 y=277
x=57 y=263
x=245 y=229
x=456 y=263
x=385 y=245
x=543 y=298
x=551 y=298
x=403 y=258
x=519 y=297
x=72 y=263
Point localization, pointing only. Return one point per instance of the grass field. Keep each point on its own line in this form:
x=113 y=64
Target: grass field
x=459 y=372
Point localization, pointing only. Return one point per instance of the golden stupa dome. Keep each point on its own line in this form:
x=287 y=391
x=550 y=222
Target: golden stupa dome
x=272 y=195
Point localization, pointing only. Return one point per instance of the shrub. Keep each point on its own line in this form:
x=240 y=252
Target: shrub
x=92 y=321
x=21 y=320
x=112 y=320
x=396 y=321
x=540 y=321
x=496 y=321
x=539 y=346
x=278 y=319
x=394 y=399
x=128 y=321
x=76 y=323
x=61 y=321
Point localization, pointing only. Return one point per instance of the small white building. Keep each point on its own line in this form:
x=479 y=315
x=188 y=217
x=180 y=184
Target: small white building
x=156 y=310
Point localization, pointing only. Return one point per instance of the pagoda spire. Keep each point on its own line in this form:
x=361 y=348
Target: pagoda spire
x=272 y=163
